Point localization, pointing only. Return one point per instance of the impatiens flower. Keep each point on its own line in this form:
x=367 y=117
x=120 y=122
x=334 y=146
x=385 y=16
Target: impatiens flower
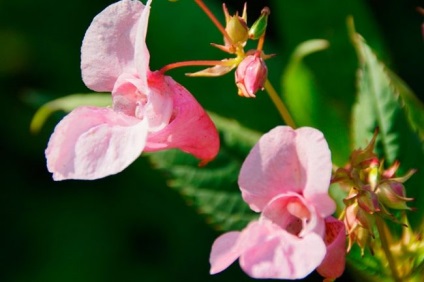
x=150 y=111
x=286 y=177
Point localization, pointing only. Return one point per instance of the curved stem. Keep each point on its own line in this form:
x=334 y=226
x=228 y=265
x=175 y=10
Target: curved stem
x=282 y=109
x=385 y=246
x=191 y=63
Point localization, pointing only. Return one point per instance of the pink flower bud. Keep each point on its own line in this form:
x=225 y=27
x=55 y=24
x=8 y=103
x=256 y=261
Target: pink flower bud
x=251 y=75
x=392 y=194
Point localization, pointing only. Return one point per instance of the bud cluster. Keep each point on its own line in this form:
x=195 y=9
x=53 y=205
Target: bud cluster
x=251 y=72
x=372 y=191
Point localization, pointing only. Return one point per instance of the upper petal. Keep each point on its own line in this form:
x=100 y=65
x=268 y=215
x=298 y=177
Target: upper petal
x=142 y=55
x=91 y=143
x=108 y=48
x=287 y=160
x=315 y=156
x=190 y=129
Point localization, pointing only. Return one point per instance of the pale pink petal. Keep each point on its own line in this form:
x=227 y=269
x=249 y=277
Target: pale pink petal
x=224 y=251
x=229 y=246
x=190 y=128
x=333 y=264
x=91 y=143
x=142 y=55
x=287 y=160
x=282 y=255
x=315 y=157
x=108 y=47
x=271 y=168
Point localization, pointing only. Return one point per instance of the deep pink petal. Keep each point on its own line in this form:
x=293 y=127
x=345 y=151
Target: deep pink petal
x=282 y=255
x=91 y=143
x=287 y=160
x=108 y=48
x=224 y=251
x=190 y=128
x=333 y=264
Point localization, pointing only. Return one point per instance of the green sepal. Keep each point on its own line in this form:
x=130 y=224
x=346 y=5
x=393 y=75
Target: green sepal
x=67 y=104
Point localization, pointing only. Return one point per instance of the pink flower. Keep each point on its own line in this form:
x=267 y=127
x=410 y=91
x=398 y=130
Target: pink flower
x=286 y=177
x=150 y=111
x=251 y=75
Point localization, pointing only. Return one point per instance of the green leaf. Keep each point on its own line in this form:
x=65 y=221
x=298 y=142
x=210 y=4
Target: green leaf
x=380 y=105
x=67 y=104
x=308 y=103
x=212 y=190
x=413 y=106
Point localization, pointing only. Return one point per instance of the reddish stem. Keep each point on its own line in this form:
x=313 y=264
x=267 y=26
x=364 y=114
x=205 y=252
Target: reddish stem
x=191 y=63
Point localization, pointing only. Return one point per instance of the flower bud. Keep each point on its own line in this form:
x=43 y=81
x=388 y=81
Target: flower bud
x=237 y=29
x=259 y=26
x=392 y=195
x=368 y=201
x=251 y=75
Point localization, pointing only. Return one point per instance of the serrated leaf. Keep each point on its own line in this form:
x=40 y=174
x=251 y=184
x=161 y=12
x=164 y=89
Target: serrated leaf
x=67 y=104
x=413 y=106
x=212 y=190
x=379 y=106
x=309 y=105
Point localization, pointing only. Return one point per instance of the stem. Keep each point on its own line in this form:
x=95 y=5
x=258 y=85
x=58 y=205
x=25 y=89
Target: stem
x=279 y=104
x=385 y=246
x=191 y=63
x=213 y=19
x=261 y=43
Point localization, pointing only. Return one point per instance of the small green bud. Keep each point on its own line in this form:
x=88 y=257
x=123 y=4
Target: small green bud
x=259 y=27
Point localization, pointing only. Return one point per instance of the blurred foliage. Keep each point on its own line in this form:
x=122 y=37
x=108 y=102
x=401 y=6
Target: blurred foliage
x=131 y=226
x=213 y=189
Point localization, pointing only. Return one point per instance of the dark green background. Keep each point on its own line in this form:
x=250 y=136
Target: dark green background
x=131 y=227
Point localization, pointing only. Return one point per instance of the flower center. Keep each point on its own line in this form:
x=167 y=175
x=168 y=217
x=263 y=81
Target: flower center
x=299 y=215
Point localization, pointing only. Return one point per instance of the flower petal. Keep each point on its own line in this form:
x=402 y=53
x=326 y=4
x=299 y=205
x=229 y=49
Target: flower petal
x=91 y=143
x=286 y=160
x=190 y=128
x=271 y=168
x=224 y=251
x=229 y=246
x=333 y=264
x=315 y=158
x=142 y=55
x=108 y=47
x=282 y=255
